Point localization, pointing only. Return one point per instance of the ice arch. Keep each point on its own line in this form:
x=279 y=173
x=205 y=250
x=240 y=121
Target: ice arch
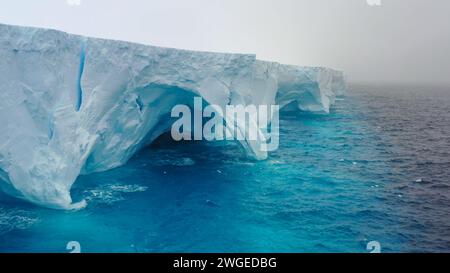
x=72 y=105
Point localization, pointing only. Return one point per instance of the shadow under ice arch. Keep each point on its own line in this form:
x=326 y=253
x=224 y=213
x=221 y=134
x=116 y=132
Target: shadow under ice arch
x=128 y=91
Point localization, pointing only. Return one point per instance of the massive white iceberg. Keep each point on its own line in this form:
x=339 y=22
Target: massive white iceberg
x=72 y=105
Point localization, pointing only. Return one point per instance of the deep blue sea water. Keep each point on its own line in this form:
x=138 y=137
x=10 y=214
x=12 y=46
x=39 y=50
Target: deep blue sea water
x=376 y=169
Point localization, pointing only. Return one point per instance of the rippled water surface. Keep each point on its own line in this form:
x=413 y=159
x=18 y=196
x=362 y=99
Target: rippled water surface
x=376 y=169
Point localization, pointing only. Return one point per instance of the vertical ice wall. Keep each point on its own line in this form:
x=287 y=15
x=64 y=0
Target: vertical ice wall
x=71 y=105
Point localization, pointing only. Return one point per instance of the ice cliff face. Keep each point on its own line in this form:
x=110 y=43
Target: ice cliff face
x=72 y=105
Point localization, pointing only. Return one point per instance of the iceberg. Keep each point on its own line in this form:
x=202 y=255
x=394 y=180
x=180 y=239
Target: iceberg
x=73 y=105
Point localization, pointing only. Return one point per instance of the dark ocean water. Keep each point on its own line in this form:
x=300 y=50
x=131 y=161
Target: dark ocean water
x=376 y=169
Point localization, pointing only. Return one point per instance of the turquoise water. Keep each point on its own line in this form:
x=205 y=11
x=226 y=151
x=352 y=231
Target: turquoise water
x=337 y=182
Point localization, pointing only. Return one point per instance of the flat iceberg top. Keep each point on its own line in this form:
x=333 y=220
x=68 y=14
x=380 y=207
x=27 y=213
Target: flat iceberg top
x=72 y=105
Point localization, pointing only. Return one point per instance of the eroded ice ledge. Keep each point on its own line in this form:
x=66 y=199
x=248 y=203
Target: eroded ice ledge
x=72 y=105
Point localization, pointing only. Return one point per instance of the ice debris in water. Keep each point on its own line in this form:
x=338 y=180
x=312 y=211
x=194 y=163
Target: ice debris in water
x=13 y=219
x=111 y=193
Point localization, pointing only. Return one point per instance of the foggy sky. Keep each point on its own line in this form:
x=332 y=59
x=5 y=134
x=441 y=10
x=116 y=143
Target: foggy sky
x=401 y=41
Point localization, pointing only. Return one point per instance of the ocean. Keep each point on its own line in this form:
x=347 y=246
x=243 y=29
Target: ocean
x=377 y=168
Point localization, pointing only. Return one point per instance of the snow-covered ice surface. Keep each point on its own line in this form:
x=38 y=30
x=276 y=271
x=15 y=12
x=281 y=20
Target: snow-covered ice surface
x=72 y=105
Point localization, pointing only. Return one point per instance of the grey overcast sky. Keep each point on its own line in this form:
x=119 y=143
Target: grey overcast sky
x=401 y=41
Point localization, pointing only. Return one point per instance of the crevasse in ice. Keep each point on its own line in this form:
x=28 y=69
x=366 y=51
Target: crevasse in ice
x=72 y=105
